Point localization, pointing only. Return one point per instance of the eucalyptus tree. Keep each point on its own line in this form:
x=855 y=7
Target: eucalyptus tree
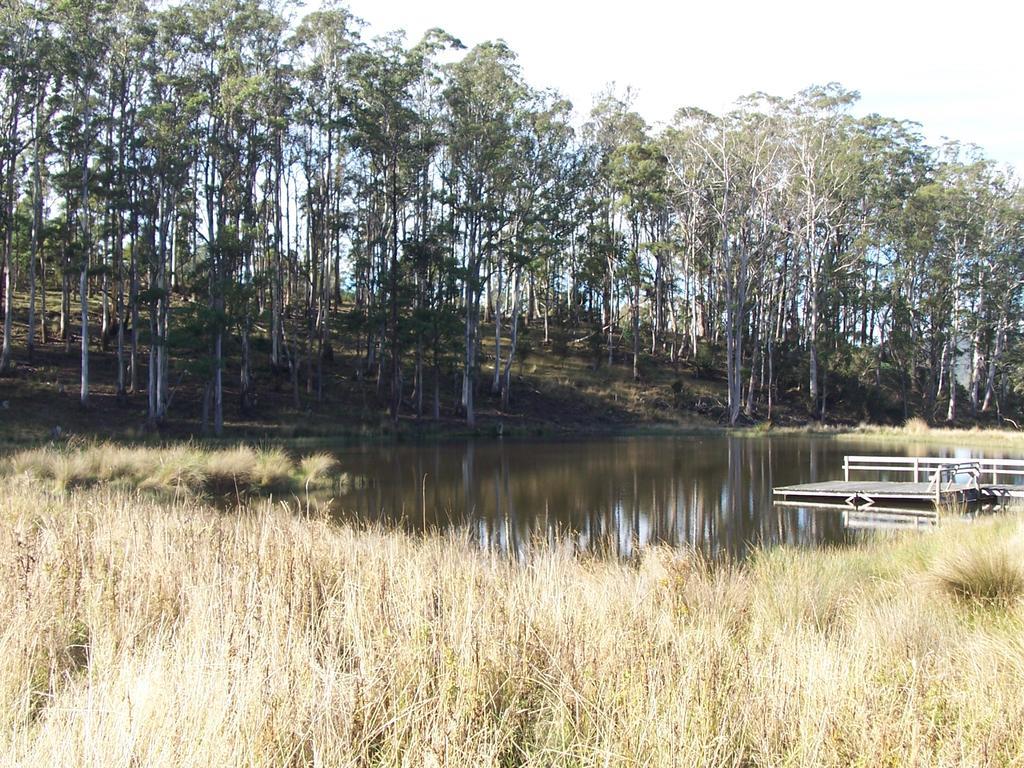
x=820 y=168
x=962 y=188
x=1007 y=284
x=19 y=32
x=993 y=279
x=727 y=165
x=131 y=69
x=761 y=238
x=689 y=170
x=397 y=147
x=252 y=111
x=637 y=178
x=86 y=34
x=325 y=41
x=535 y=223
x=612 y=127
x=891 y=240
x=42 y=72
x=427 y=229
x=169 y=121
x=484 y=96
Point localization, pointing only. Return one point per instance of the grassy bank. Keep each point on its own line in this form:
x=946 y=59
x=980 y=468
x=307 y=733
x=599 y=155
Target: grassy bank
x=914 y=431
x=918 y=431
x=167 y=633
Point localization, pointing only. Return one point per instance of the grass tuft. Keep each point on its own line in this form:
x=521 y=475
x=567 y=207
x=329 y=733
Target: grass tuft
x=230 y=470
x=985 y=573
x=273 y=470
x=179 y=469
x=916 y=426
x=315 y=467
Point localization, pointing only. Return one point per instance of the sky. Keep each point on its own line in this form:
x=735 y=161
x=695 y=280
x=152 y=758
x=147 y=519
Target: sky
x=955 y=68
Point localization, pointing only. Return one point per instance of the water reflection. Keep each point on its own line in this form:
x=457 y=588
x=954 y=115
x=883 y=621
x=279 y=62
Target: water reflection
x=608 y=496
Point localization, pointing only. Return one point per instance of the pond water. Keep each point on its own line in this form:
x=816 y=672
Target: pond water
x=609 y=496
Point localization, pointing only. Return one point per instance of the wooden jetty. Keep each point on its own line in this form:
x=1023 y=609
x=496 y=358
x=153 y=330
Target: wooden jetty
x=933 y=481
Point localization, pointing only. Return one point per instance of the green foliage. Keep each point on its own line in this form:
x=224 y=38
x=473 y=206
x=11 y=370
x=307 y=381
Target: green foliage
x=704 y=363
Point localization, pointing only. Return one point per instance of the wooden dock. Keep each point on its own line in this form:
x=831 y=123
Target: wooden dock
x=868 y=493
x=931 y=481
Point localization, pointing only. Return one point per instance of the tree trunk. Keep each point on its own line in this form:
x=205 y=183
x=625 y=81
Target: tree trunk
x=506 y=386
x=993 y=364
x=472 y=302
x=496 y=381
x=9 y=192
x=977 y=355
x=84 y=281
x=951 y=411
x=37 y=228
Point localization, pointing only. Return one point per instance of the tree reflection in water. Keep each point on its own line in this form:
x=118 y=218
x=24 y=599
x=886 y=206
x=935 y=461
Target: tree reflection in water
x=607 y=496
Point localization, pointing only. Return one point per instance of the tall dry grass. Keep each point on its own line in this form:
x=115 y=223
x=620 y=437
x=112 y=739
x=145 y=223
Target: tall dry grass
x=187 y=468
x=918 y=430
x=146 y=633
x=914 y=431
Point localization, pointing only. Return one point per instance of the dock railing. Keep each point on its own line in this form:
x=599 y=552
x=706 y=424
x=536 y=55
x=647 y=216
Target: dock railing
x=935 y=469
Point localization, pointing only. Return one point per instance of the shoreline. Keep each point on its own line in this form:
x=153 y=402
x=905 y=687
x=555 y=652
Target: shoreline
x=972 y=437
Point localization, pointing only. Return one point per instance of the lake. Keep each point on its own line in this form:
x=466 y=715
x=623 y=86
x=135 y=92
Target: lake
x=608 y=496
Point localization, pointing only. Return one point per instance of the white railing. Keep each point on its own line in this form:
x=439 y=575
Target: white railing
x=935 y=469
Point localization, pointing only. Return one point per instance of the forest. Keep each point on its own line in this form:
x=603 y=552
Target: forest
x=202 y=188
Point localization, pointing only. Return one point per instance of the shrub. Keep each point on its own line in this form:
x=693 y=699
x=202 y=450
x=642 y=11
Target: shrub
x=703 y=361
x=523 y=349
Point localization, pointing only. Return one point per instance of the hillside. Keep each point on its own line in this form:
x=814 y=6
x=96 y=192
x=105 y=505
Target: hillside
x=559 y=386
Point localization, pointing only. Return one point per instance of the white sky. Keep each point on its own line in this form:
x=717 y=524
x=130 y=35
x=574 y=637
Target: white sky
x=954 y=68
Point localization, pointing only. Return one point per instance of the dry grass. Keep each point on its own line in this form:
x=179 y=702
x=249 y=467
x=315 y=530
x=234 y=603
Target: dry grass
x=274 y=470
x=918 y=430
x=231 y=468
x=170 y=634
x=989 y=573
x=914 y=431
x=316 y=466
x=179 y=469
x=916 y=426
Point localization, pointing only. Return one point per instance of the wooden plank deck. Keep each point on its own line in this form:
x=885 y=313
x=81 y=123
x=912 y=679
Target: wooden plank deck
x=945 y=484
x=864 y=493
